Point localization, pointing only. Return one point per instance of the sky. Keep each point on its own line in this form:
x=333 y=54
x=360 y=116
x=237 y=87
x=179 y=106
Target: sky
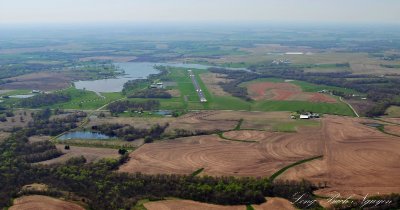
x=101 y=11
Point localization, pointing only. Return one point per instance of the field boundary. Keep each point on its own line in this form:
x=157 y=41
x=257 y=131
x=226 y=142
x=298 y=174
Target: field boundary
x=282 y=170
x=351 y=107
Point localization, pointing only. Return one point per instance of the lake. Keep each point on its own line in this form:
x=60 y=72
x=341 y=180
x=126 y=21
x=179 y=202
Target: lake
x=84 y=135
x=132 y=71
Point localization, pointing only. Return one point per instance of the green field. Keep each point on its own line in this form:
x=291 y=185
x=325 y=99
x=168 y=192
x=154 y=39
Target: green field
x=189 y=100
x=86 y=100
x=187 y=90
x=393 y=111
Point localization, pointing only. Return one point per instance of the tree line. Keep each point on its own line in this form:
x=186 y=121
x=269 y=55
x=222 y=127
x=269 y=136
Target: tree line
x=130 y=133
x=45 y=100
x=122 y=106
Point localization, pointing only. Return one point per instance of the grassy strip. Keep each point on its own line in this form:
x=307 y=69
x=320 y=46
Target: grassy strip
x=238 y=125
x=140 y=204
x=197 y=172
x=276 y=174
x=249 y=207
x=221 y=135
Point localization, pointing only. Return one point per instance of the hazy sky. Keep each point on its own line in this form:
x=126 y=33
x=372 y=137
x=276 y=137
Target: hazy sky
x=364 y=11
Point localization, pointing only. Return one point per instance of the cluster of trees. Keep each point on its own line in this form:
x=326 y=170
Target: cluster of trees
x=122 y=106
x=45 y=100
x=43 y=125
x=133 y=85
x=150 y=93
x=39 y=151
x=185 y=133
x=130 y=133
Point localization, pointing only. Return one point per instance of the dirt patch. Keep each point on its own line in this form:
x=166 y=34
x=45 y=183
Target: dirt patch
x=4 y=135
x=212 y=80
x=202 y=121
x=44 y=203
x=357 y=160
x=392 y=120
x=275 y=204
x=225 y=158
x=187 y=205
x=174 y=93
x=19 y=120
x=284 y=92
x=393 y=129
x=91 y=154
x=34 y=139
x=45 y=81
x=271 y=204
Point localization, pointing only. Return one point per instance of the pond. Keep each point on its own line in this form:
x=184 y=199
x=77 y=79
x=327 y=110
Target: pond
x=84 y=135
x=133 y=70
x=375 y=125
x=22 y=96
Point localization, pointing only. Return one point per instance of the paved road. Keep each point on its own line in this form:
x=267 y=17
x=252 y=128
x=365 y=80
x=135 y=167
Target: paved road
x=197 y=87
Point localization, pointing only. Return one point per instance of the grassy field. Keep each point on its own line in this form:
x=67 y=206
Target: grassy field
x=190 y=100
x=393 y=111
x=86 y=100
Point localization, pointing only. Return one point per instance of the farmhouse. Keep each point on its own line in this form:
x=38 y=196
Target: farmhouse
x=158 y=85
x=304 y=116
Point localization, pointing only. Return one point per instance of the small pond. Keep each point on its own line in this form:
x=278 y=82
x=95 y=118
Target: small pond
x=22 y=96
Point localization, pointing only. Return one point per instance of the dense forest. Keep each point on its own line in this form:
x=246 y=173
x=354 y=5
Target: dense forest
x=130 y=133
x=45 y=100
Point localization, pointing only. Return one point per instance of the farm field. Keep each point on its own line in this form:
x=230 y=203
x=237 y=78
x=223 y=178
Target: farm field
x=210 y=120
x=43 y=202
x=342 y=141
x=353 y=156
x=284 y=91
x=271 y=204
x=221 y=157
x=217 y=99
x=91 y=154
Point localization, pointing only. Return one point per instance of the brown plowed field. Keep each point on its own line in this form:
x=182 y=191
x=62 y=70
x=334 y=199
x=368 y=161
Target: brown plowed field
x=35 y=202
x=225 y=158
x=45 y=81
x=271 y=204
x=357 y=160
x=275 y=204
x=284 y=92
x=187 y=205
x=91 y=154
x=393 y=129
x=248 y=135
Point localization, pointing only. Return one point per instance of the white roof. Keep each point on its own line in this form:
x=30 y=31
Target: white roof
x=303 y=116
